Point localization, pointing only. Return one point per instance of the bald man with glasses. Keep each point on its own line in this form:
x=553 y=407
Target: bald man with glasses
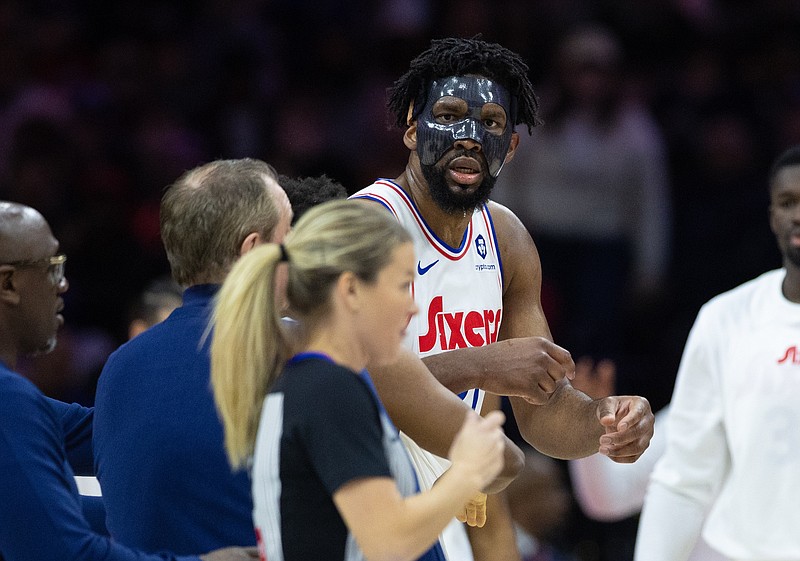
x=54 y=264
x=42 y=447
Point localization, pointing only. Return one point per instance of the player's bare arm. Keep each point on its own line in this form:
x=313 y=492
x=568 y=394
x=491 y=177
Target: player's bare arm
x=494 y=540
x=569 y=424
x=430 y=414
x=529 y=366
x=425 y=410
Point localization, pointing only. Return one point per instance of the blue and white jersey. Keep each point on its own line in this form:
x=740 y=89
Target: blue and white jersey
x=459 y=291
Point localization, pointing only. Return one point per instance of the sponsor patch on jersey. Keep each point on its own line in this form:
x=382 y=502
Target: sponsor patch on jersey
x=480 y=246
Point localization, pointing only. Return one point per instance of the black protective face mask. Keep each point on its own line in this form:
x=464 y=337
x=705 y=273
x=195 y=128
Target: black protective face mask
x=435 y=139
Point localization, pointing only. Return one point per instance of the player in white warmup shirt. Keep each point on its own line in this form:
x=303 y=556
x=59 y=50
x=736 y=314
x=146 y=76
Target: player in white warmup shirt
x=731 y=469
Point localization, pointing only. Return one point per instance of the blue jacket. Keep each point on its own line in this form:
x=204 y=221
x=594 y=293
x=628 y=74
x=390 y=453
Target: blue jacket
x=158 y=441
x=40 y=508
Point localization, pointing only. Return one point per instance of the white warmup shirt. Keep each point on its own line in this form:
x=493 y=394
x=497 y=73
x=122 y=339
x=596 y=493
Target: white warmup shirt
x=459 y=292
x=609 y=491
x=733 y=444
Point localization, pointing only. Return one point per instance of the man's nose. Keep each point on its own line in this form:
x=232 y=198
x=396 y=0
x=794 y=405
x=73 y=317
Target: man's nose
x=468 y=144
x=471 y=133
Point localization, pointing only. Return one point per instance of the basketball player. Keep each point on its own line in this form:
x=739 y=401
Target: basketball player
x=729 y=471
x=481 y=325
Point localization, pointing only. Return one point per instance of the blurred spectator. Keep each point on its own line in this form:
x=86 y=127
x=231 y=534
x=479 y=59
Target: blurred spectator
x=154 y=305
x=591 y=185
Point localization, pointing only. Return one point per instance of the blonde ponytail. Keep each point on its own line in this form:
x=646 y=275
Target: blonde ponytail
x=247 y=348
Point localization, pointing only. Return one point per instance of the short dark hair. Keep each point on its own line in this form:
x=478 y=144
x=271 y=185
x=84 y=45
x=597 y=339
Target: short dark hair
x=790 y=157
x=307 y=192
x=457 y=57
x=160 y=293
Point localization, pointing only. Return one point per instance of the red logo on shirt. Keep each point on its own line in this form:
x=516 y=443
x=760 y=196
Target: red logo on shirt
x=458 y=330
x=262 y=553
x=790 y=356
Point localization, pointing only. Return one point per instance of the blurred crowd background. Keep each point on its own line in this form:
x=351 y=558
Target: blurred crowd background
x=103 y=104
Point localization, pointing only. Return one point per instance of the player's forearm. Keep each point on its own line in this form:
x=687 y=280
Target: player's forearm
x=459 y=370
x=566 y=427
x=429 y=413
x=420 y=406
x=513 y=457
x=514 y=461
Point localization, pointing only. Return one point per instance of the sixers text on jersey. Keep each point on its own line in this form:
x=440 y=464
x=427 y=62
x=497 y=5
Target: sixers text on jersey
x=458 y=330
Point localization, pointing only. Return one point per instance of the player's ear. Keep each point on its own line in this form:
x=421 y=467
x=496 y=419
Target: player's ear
x=512 y=147
x=410 y=136
x=773 y=221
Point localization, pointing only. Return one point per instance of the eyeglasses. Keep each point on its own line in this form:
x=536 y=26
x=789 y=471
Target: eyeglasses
x=55 y=266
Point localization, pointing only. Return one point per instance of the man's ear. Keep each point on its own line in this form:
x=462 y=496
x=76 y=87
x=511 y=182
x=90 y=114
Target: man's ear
x=773 y=225
x=410 y=136
x=512 y=147
x=8 y=288
x=252 y=240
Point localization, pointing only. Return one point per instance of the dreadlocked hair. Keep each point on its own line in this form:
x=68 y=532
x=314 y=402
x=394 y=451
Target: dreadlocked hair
x=456 y=57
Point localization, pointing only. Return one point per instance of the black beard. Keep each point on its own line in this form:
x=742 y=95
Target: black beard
x=793 y=256
x=447 y=200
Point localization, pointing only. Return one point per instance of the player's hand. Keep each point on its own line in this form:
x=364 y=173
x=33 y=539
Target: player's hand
x=474 y=513
x=231 y=554
x=528 y=367
x=629 y=423
x=477 y=450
